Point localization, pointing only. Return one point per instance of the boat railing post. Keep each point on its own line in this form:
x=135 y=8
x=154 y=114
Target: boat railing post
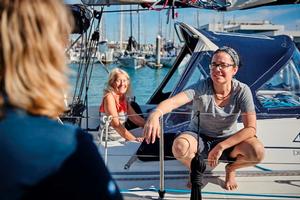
x=161 y=191
x=158 y=47
x=107 y=120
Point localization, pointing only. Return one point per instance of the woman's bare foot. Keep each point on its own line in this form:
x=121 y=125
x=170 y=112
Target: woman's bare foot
x=230 y=182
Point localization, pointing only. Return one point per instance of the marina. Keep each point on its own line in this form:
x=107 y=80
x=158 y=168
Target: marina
x=99 y=79
x=201 y=102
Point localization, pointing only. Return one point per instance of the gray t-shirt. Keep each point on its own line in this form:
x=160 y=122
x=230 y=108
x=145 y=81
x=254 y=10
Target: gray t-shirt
x=218 y=121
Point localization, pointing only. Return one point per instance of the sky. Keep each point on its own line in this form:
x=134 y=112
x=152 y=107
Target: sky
x=153 y=21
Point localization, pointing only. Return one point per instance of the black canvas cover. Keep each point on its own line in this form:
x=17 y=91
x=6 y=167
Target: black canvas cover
x=150 y=152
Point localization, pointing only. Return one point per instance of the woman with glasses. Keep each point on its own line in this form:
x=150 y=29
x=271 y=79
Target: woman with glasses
x=220 y=100
x=115 y=103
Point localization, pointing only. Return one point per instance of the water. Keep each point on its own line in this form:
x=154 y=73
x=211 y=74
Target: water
x=144 y=82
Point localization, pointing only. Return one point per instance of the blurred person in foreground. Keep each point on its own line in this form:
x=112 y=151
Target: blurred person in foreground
x=40 y=158
x=220 y=99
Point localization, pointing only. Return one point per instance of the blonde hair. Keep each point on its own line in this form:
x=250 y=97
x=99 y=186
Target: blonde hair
x=113 y=77
x=33 y=71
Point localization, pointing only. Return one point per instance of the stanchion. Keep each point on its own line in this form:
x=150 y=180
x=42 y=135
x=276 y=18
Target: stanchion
x=107 y=120
x=161 y=191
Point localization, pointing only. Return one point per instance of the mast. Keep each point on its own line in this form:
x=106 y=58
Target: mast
x=139 y=31
x=197 y=19
x=121 y=28
x=160 y=25
x=130 y=21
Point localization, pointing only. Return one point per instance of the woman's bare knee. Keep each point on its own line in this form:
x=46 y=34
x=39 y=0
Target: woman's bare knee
x=180 y=147
x=183 y=147
x=252 y=151
x=259 y=152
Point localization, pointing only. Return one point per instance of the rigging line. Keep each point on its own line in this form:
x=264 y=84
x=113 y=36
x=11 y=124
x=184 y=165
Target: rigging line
x=154 y=4
x=134 y=10
x=167 y=172
x=95 y=47
x=86 y=65
x=92 y=47
x=126 y=10
x=208 y=174
x=88 y=83
x=92 y=67
x=159 y=9
x=87 y=79
x=86 y=101
x=78 y=71
x=188 y=113
x=86 y=57
x=221 y=161
x=141 y=155
x=73 y=43
x=129 y=178
x=154 y=175
x=208 y=114
x=98 y=15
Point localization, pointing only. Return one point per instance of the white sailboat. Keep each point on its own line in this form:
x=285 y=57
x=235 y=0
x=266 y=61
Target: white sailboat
x=271 y=69
x=132 y=61
x=277 y=177
x=105 y=54
x=132 y=57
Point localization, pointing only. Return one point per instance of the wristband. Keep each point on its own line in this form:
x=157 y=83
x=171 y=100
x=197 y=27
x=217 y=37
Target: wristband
x=160 y=111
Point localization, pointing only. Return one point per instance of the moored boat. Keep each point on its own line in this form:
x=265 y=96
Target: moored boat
x=132 y=61
x=271 y=68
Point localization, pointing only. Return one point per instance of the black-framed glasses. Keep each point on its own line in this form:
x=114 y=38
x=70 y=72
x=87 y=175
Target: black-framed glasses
x=220 y=65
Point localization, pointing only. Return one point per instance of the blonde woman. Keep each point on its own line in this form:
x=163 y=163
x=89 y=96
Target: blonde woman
x=115 y=103
x=40 y=158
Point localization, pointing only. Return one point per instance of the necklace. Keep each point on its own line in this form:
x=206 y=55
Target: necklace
x=218 y=97
x=222 y=97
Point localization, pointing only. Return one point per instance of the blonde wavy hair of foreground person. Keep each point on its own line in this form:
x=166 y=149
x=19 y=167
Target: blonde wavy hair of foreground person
x=113 y=77
x=33 y=70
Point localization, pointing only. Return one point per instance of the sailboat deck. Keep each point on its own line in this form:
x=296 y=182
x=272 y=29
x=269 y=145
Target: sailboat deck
x=277 y=177
x=261 y=185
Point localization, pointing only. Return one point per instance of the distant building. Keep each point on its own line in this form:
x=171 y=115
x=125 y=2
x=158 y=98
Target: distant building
x=254 y=27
